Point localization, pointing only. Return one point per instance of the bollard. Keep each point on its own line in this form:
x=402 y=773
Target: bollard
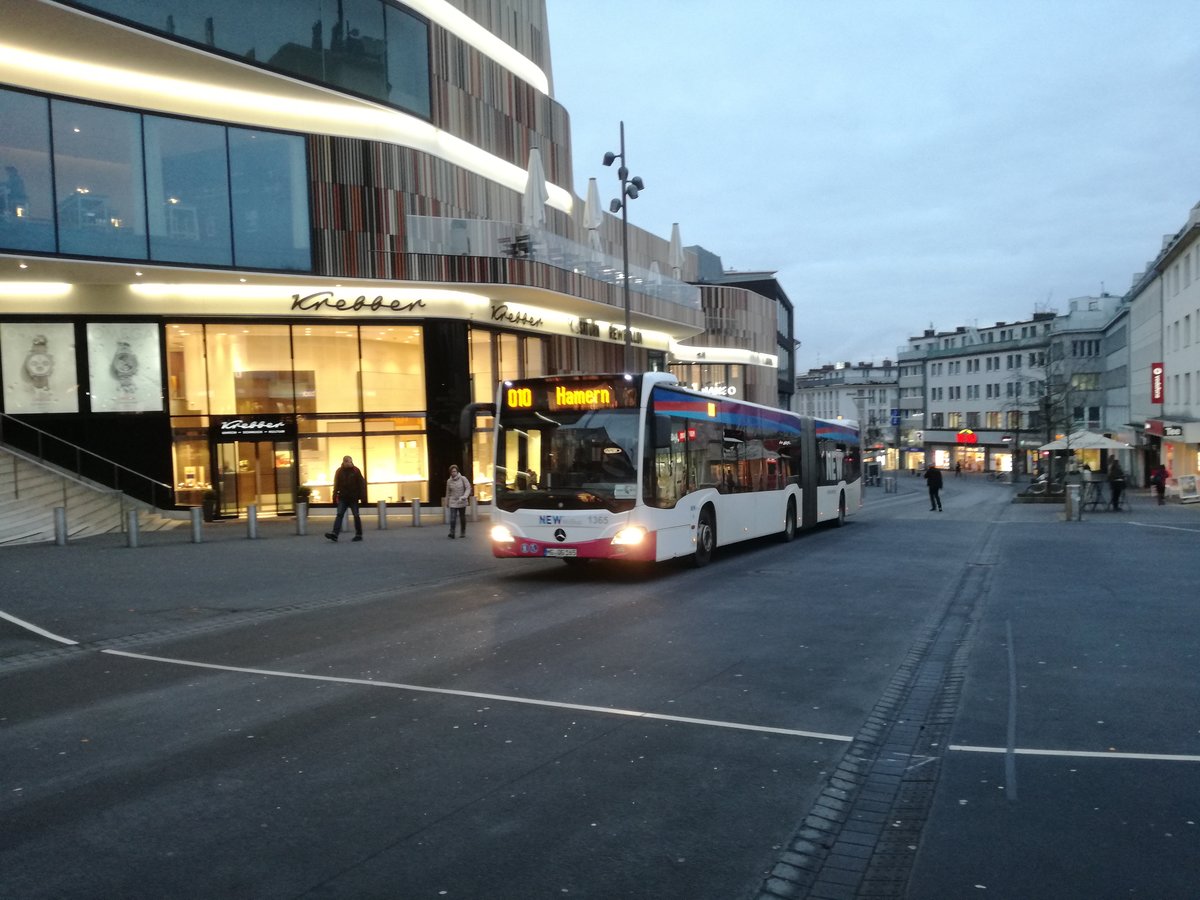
x=252 y=521
x=381 y=507
x=60 y=526
x=416 y=512
x=472 y=509
x=1074 y=508
x=197 y=519
x=302 y=517
x=132 y=533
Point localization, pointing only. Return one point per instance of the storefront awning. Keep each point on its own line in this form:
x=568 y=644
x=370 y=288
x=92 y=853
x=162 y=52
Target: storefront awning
x=1184 y=431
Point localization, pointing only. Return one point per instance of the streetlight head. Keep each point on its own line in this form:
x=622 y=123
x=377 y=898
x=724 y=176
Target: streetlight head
x=615 y=206
x=631 y=191
x=637 y=182
x=609 y=157
x=623 y=173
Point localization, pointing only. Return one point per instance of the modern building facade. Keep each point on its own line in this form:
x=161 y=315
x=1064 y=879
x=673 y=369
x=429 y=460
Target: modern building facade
x=238 y=242
x=1164 y=355
x=746 y=348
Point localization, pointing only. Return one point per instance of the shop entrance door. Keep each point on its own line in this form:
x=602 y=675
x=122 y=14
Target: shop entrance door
x=258 y=472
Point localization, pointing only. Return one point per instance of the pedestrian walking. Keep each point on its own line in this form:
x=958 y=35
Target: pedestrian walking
x=458 y=493
x=958 y=470
x=933 y=478
x=1158 y=478
x=1116 y=482
x=349 y=490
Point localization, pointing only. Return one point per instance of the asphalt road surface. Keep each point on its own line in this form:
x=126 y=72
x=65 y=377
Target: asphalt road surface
x=987 y=702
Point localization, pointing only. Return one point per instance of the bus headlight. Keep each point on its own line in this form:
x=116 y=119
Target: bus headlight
x=501 y=534
x=630 y=536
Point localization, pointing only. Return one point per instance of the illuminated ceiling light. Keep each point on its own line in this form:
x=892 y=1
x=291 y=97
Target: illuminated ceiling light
x=22 y=265
x=35 y=288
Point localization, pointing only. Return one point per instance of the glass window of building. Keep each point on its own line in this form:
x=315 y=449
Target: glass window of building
x=397 y=465
x=249 y=369
x=343 y=43
x=187 y=192
x=326 y=368
x=508 y=357
x=407 y=61
x=323 y=441
x=98 y=181
x=26 y=192
x=269 y=183
x=483 y=376
x=187 y=380
x=393 y=368
x=535 y=356
x=190 y=460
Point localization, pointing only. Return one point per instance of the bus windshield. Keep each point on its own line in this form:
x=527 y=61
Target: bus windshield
x=568 y=460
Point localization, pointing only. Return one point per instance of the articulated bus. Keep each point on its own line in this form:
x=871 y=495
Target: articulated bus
x=638 y=467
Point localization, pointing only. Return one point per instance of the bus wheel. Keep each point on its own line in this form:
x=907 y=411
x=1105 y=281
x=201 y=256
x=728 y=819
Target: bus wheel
x=841 y=516
x=789 y=523
x=706 y=539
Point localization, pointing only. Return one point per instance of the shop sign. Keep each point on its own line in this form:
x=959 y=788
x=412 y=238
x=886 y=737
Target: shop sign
x=1157 y=382
x=254 y=428
x=501 y=312
x=966 y=436
x=325 y=300
x=1159 y=428
x=588 y=328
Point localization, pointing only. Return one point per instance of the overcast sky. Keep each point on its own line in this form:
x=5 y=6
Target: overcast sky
x=901 y=164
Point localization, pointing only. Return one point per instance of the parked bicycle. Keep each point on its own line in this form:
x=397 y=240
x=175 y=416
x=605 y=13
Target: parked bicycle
x=1044 y=487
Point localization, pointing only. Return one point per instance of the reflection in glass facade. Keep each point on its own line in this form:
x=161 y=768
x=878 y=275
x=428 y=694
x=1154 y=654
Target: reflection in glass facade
x=367 y=47
x=187 y=191
x=99 y=186
x=269 y=184
x=144 y=187
x=26 y=194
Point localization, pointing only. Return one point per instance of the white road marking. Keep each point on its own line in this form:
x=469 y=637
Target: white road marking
x=503 y=698
x=1082 y=754
x=605 y=710
x=1167 y=527
x=31 y=627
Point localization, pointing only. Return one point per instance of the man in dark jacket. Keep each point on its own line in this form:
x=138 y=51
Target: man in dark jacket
x=933 y=478
x=349 y=490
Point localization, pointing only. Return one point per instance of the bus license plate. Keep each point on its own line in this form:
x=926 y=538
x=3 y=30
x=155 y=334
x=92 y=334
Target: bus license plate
x=561 y=551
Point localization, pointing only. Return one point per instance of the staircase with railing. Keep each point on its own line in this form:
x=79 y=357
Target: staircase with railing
x=42 y=473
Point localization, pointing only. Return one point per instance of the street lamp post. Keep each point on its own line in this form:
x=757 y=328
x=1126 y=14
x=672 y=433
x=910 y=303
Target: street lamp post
x=629 y=191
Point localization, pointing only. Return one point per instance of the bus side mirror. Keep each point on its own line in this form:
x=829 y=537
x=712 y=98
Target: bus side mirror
x=662 y=431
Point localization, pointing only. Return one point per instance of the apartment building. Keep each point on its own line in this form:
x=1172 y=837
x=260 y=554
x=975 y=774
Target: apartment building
x=1164 y=355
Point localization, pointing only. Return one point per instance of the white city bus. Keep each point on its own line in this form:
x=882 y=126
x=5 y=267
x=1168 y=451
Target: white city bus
x=638 y=467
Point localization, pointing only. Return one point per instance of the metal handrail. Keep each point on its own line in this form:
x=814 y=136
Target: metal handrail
x=82 y=454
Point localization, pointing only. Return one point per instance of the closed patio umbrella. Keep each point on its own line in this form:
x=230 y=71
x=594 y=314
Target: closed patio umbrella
x=533 y=201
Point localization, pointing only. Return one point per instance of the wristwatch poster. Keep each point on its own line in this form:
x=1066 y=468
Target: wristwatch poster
x=37 y=363
x=124 y=369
